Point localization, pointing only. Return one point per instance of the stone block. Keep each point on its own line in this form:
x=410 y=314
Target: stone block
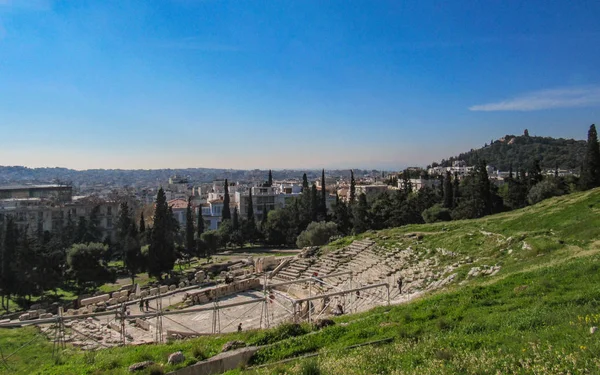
x=112 y=301
x=176 y=358
x=164 y=289
x=144 y=294
x=172 y=287
x=142 y=324
x=46 y=316
x=122 y=299
x=153 y=291
x=95 y=300
x=24 y=317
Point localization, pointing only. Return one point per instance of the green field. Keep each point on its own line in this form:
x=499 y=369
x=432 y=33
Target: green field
x=533 y=317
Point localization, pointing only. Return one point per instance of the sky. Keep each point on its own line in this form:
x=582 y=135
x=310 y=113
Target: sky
x=288 y=84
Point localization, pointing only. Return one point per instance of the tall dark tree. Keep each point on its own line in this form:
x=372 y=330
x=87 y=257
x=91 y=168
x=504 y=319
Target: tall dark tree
x=8 y=274
x=270 y=180
x=314 y=203
x=235 y=221
x=200 y=246
x=190 y=241
x=341 y=216
x=265 y=215
x=534 y=174
x=94 y=232
x=406 y=184
x=161 y=253
x=304 y=182
x=133 y=252
x=352 y=188
x=142 y=223
x=226 y=210
x=323 y=203
x=124 y=223
x=250 y=222
x=361 y=219
x=448 y=195
x=590 y=170
x=456 y=189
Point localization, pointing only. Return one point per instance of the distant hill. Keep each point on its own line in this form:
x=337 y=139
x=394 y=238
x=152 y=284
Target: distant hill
x=521 y=151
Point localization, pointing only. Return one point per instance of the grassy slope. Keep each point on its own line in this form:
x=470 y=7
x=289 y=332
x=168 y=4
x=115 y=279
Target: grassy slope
x=525 y=319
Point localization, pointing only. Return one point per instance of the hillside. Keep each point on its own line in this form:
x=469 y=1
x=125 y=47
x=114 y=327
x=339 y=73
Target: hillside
x=533 y=316
x=521 y=151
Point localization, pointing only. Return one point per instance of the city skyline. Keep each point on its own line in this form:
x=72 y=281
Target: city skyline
x=290 y=84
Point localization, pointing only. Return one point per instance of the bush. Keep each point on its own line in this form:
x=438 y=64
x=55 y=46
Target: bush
x=436 y=213
x=543 y=190
x=317 y=234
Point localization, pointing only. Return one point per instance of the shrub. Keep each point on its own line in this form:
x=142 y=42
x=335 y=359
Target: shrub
x=317 y=234
x=436 y=213
x=543 y=190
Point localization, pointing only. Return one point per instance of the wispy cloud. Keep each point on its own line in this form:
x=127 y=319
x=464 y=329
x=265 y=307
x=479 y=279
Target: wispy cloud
x=571 y=97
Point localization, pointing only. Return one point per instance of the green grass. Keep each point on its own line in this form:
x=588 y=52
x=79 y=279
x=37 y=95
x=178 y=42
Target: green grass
x=531 y=318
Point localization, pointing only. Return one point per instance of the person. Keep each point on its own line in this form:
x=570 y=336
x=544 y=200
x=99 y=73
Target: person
x=142 y=304
x=147 y=305
x=358 y=294
x=339 y=310
x=400 y=284
x=240 y=327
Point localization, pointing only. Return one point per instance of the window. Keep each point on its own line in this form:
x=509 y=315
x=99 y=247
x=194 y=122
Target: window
x=109 y=222
x=109 y=210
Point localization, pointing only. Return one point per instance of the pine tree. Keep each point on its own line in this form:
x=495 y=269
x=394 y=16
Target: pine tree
x=352 y=189
x=590 y=170
x=226 y=210
x=190 y=242
x=534 y=174
x=304 y=183
x=448 y=196
x=161 y=253
x=270 y=180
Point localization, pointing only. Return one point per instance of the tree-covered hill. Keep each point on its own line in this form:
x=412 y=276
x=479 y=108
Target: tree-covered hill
x=521 y=151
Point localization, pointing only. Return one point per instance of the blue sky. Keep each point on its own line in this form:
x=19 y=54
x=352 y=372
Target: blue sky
x=288 y=84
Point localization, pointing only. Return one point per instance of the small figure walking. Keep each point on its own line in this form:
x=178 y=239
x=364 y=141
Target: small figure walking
x=240 y=327
x=142 y=304
x=147 y=305
x=400 y=284
x=358 y=294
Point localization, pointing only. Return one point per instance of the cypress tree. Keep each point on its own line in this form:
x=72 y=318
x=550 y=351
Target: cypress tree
x=323 y=205
x=235 y=221
x=189 y=228
x=123 y=223
x=352 y=188
x=304 y=183
x=590 y=171
x=226 y=215
x=448 y=196
x=8 y=275
x=250 y=223
x=361 y=219
x=200 y=223
x=161 y=253
x=456 y=189
x=142 y=223
x=270 y=180
x=314 y=203
x=133 y=252
x=263 y=222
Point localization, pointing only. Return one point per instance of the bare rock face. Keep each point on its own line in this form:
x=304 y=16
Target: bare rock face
x=232 y=345
x=176 y=358
x=140 y=366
